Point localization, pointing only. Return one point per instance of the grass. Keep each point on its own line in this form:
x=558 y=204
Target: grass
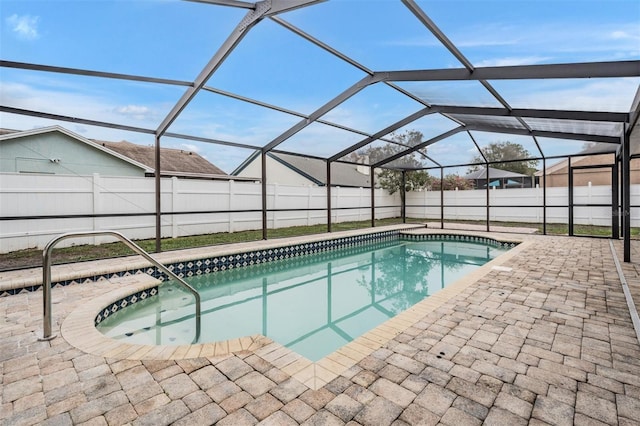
x=32 y=258
x=552 y=228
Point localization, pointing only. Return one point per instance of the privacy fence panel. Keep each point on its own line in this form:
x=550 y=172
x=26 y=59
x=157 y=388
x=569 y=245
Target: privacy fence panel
x=36 y=208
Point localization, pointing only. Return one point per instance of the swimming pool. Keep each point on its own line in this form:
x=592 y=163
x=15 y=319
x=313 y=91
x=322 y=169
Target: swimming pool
x=313 y=304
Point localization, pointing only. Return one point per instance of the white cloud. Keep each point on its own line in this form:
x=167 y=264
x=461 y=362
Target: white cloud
x=624 y=35
x=190 y=147
x=138 y=112
x=76 y=103
x=24 y=26
x=549 y=41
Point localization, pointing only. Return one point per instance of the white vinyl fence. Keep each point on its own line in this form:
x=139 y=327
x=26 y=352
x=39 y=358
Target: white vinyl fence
x=26 y=198
x=509 y=205
x=94 y=198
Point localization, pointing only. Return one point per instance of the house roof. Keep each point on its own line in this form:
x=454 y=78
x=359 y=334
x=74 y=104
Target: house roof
x=176 y=161
x=314 y=169
x=493 y=174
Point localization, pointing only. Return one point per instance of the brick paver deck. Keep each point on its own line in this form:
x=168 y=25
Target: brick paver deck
x=545 y=339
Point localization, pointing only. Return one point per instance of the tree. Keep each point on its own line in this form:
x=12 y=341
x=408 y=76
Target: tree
x=391 y=180
x=451 y=182
x=498 y=154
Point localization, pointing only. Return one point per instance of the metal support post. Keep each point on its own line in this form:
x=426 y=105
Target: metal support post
x=626 y=195
x=373 y=196
x=328 y=195
x=570 y=185
x=615 y=202
x=158 y=190
x=544 y=196
x=488 y=204
x=441 y=198
x=403 y=207
x=263 y=158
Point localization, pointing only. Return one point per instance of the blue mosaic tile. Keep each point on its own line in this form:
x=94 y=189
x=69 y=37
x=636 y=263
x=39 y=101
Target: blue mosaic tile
x=112 y=309
x=227 y=262
x=452 y=237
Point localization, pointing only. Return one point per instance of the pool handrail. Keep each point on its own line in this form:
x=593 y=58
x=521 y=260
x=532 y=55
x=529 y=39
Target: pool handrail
x=46 y=275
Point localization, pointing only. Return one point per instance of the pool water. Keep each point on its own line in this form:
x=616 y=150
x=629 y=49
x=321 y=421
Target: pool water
x=313 y=304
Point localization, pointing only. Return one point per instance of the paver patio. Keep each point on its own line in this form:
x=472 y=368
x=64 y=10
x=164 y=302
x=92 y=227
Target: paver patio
x=545 y=339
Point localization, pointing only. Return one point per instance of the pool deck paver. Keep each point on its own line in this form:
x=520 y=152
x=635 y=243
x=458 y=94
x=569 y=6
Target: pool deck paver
x=544 y=337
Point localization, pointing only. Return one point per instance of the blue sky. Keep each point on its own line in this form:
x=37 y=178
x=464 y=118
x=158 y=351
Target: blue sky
x=175 y=39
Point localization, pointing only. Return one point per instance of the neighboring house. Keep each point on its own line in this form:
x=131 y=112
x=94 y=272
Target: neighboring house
x=56 y=150
x=557 y=174
x=499 y=179
x=303 y=171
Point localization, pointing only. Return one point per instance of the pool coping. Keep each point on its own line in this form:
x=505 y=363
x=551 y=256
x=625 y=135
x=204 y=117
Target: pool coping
x=80 y=331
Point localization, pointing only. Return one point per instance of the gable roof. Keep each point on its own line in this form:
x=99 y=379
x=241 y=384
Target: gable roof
x=314 y=169
x=10 y=135
x=176 y=161
x=493 y=174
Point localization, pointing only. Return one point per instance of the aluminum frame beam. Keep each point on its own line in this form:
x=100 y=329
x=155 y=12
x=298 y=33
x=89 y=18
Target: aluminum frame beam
x=546 y=134
x=558 y=135
x=419 y=146
x=427 y=22
x=635 y=111
x=59 y=117
x=608 y=69
x=260 y=10
x=314 y=116
x=613 y=117
x=251 y=18
x=342 y=56
x=232 y=3
x=92 y=73
x=419 y=13
x=280 y=109
x=209 y=140
x=409 y=119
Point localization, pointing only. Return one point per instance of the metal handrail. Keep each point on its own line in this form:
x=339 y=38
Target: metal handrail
x=46 y=276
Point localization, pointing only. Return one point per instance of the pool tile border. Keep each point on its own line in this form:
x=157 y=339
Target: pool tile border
x=189 y=268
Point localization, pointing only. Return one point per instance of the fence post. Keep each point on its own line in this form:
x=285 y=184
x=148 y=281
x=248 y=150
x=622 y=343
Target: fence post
x=275 y=204
x=457 y=202
x=309 y=203
x=174 y=204
x=425 y=201
x=589 y=197
x=537 y=187
x=337 y=201
x=95 y=187
x=230 y=207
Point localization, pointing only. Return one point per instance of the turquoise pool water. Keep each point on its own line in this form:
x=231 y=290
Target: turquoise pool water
x=313 y=304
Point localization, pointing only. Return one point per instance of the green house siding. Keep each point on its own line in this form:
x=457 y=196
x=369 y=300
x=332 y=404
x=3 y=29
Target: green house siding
x=58 y=153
